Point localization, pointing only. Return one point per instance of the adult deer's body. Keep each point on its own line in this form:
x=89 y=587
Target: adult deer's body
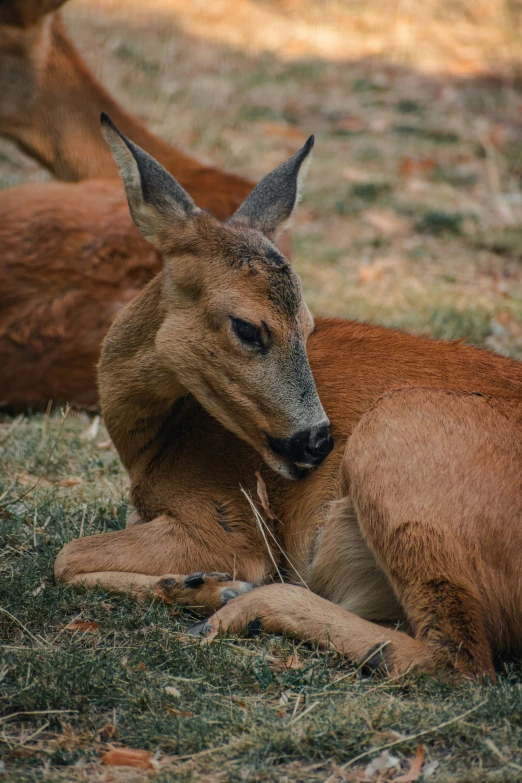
x=70 y=256
x=416 y=513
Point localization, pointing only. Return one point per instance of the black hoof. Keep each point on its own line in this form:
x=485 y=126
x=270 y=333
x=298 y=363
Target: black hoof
x=202 y=629
x=227 y=595
x=377 y=660
x=254 y=627
x=195 y=580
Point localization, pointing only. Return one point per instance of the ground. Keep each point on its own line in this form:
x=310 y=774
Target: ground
x=411 y=217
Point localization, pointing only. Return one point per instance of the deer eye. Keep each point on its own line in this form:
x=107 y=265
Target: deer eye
x=248 y=333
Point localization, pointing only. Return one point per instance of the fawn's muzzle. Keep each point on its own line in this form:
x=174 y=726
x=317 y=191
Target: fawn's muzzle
x=307 y=448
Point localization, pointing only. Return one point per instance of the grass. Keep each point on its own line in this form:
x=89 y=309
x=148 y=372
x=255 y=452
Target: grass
x=234 y=710
x=410 y=218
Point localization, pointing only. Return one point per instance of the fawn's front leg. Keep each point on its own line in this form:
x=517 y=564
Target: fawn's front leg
x=195 y=565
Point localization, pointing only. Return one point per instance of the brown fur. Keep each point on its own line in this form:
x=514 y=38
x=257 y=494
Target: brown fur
x=415 y=516
x=70 y=256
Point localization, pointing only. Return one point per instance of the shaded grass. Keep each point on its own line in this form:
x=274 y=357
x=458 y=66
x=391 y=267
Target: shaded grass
x=65 y=696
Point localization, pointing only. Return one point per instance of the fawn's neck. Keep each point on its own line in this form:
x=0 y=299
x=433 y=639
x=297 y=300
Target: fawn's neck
x=137 y=391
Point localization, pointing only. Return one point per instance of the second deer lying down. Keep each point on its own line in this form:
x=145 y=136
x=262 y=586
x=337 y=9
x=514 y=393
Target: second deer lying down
x=216 y=370
x=70 y=256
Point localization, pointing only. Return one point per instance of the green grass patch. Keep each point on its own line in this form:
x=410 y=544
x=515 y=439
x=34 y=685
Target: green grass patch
x=438 y=221
x=232 y=708
x=507 y=242
x=474 y=325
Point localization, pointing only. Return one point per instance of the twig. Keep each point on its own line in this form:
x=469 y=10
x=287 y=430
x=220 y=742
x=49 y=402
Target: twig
x=36 y=712
x=259 y=519
x=276 y=542
x=23 y=627
x=491 y=745
x=303 y=713
x=413 y=736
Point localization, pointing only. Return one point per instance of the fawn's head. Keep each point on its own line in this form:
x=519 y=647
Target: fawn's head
x=235 y=324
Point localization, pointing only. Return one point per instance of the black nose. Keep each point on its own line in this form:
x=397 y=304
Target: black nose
x=306 y=448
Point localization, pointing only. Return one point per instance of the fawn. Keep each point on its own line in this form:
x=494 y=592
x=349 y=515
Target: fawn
x=400 y=501
x=70 y=256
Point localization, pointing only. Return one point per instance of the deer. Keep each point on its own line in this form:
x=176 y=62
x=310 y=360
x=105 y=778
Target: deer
x=71 y=256
x=391 y=463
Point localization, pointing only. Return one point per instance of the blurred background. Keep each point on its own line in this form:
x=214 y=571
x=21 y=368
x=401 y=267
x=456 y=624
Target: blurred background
x=412 y=214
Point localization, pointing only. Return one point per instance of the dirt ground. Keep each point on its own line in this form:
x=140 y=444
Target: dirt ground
x=412 y=217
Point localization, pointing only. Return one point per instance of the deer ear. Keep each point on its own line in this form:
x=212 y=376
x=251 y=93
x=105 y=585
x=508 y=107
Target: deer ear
x=271 y=204
x=156 y=201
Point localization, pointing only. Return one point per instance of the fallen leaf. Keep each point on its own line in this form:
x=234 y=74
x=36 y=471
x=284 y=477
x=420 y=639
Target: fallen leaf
x=83 y=625
x=109 y=732
x=141 y=667
x=412 y=167
x=180 y=713
x=349 y=125
x=172 y=691
x=386 y=221
x=367 y=273
x=414 y=771
x=263 y=496
x=92 y=430
x=108 y=607
x=128 y=757
x=284 y=699
x=293 y=662
x=39 y=589
x=353 y=174
x=72 y=481
x=105 y=445
x=281 y=714
x=283 y=130
x=382 y=763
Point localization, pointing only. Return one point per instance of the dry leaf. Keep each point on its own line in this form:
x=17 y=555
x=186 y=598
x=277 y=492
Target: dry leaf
x=109 y=732
x=293 y=662
x=414 y=771
x=367 y=273
x=180 y=713
x=92 y=430
x=39 y=589
x=105 y=445
x=386 y=221
x=263 y=496
x=281 y=714
x=172 y=691
x=283 y=130
x=127 y=757
x=83 y=625
x=72 y=481
x=353 y=174
x=141 y=667
x=410 y=167
x=382 y=763
x=349 y=125
x=284 y=699
x=108 y=607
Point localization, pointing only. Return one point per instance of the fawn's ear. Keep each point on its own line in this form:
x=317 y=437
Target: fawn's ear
x=273 y=200
x=156 y=201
